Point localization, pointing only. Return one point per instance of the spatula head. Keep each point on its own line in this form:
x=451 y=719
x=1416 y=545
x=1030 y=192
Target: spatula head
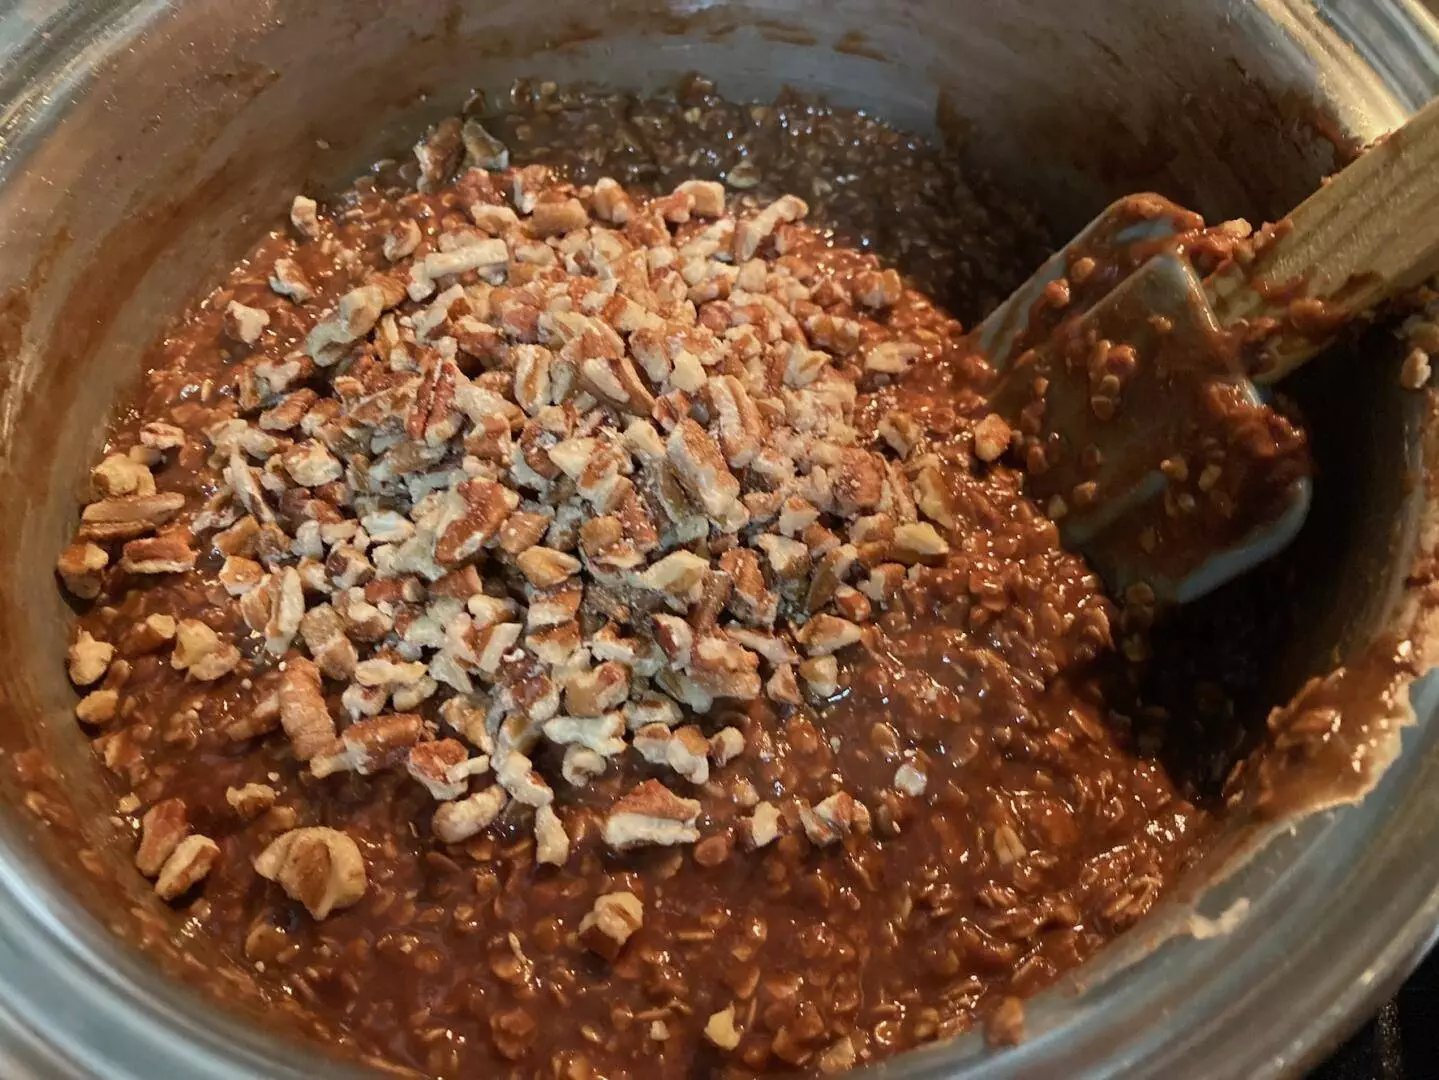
x=1138 y=430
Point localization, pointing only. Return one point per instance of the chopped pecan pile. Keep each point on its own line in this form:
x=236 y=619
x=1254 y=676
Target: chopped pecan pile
x=575 y=466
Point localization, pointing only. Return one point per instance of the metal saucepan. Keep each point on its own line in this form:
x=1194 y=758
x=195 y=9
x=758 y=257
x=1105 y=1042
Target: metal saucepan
x=143 y=146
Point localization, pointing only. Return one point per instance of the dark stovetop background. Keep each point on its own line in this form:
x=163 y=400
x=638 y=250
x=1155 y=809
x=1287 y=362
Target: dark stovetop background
x=1401 y=1042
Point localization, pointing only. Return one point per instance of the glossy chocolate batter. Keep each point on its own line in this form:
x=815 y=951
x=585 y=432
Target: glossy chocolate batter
x=1007 y=826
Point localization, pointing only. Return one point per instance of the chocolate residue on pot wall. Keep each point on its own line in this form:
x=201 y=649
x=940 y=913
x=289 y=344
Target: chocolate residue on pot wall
x=1295 y=763
x=1329 y=744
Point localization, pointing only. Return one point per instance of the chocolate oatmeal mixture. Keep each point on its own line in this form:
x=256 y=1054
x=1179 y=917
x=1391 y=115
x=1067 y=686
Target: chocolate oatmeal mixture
x=560 y=610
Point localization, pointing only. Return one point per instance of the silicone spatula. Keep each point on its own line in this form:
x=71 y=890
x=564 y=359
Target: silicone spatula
x=1136 y=388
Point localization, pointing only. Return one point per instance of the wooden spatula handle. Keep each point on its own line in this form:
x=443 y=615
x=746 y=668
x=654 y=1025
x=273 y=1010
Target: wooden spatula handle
x=1370 y=232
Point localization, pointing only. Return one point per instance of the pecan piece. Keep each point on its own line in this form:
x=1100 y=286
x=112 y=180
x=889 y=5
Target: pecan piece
x=725 y=745
x=991 y=438
x=188 y=865
x=89 y=659
x=702 y=471
x=250 y=800
x=910 y=780
x=120 y=474
x=522 y=530
x=821 y=676
x=161 y=829
x=891 y=357
x=651 y=813
x=918 y=542
x=825 y=634
x=287 y=279
x=552 y=218
x=545 y=567
x=611 y=202
x=129 y=516
x=401 y=241
x=762 y=826
x=98 y=707
x=244 y=324
x=597 y=691
x=358 y=312
x=749 y=600
x=901 y=431
x=310 y=464
x=611 y=922
x=455 y=822
x=370 y=745
x=752 y=232
x=484 y=507
x=286 y=612
x=552 y=843
x=304 y=216
x=706 y=196
x=783 y=687
x=516 y=774
x=320 y=867
x=836 y=817
x=303 y=714
x=685 y=750
x=741 y=428
x=442 y=766
x=721 y=1031
x=323 y=632
x=80 y=566
x=679 y=574
x=931 y=497
x=158 y=435
x=878 y=289
x=158 y=555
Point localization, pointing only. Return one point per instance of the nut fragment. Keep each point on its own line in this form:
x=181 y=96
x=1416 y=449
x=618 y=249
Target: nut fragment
x=320 y=867
x=200 y=652
x=251 y=800
x=127 y=516
x=552 y=844
x=720 y=1029
x=89 y=659
x=80 y=566
x=825 y=634
x=245 y=324
x=836 y=817
x=161 y=829
x=119 y=474
x=158 y=555
x=762 y=826
x=370 y=745
x=443 y=766
x=546 y=567
x=188 y=865
x=303 y=714
x=1008 y=847
x=991 y=437
x=651 y=814
x=1416 y=371
x=918 y=542
x=304 y=215
x=288 y=279
x=910 y=780
x=611 y=922
x=821 y=676
x=455 y=822
x=98 y=707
